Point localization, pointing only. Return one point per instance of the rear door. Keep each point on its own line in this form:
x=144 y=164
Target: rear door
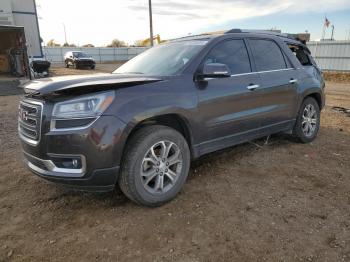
x=228 y=106
x=278 y=89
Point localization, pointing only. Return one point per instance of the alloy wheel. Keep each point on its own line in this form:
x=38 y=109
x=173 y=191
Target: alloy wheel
x=309 y=120
x=161 y=167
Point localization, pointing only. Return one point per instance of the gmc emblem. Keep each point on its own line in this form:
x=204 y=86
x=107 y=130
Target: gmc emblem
x=23 y=114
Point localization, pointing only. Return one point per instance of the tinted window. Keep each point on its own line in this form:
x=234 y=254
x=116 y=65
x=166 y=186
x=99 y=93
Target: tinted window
x=232 y=53
x=267 y=55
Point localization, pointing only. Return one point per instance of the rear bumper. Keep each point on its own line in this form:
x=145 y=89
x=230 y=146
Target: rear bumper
x=98 y=180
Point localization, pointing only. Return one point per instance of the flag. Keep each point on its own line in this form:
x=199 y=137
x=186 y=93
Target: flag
x=326 y=22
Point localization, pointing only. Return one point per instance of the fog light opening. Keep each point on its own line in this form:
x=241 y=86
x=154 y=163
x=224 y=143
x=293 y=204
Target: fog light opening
x=69 y=163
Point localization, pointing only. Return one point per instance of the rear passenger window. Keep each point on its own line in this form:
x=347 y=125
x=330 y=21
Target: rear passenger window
x=232 y=53
x=267 y=55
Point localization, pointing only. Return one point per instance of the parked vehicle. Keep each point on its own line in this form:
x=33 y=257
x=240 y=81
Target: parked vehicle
x=78 y=59
x=141 y=126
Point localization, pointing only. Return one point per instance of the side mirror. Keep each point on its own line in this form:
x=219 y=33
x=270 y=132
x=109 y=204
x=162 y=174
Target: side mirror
x=216 y=70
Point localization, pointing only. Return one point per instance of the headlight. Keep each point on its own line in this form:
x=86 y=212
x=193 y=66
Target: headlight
x=83 y=107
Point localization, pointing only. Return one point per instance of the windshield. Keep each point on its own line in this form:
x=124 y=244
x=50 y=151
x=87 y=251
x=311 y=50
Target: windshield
x=163 y=60
x=79 y=54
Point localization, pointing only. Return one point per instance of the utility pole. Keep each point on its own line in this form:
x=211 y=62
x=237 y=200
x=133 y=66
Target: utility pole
x=65 y=34
x=150 y=22
x=332 y=32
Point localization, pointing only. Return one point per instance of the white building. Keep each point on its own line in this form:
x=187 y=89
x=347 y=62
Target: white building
x=23 y=13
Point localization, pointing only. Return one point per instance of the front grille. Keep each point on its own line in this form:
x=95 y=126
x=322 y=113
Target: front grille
x=29 y=120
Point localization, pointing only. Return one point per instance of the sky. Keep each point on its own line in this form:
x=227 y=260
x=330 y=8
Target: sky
x=99 y=22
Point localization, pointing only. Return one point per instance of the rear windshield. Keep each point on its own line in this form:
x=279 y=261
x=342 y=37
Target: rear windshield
x=163 y=60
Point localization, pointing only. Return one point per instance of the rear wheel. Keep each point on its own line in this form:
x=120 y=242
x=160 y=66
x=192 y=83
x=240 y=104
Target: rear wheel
x=308 y=121
x=155 y=166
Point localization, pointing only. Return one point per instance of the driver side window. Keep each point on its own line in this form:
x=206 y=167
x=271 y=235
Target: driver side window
x=232 y=53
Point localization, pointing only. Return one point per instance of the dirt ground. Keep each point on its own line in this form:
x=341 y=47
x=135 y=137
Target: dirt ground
x=281 y=201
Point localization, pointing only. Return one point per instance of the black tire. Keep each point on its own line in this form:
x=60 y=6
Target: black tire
x=130 y=179
x=298 y=131
x=92 y=67
x=66 y=63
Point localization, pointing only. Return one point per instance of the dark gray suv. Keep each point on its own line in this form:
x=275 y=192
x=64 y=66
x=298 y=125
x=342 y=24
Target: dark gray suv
x=141 y=126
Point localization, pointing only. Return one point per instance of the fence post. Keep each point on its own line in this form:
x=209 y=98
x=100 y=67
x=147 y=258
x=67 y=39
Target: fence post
x=99 y=54
x=61 y=55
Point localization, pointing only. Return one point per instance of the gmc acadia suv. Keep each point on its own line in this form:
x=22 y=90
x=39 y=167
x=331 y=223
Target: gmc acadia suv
x=141 y=126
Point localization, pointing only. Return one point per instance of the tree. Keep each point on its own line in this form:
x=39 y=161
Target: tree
x=139 y=43
x=69 y=45
x=117 y=43
x=88 y=45
x=52 y=43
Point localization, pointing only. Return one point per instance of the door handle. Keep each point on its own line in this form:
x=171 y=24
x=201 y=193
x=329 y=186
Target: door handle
x=293 y=81
x=252 y=87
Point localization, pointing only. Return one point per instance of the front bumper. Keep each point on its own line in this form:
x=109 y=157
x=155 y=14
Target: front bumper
x=99 y=180
x=98 y=147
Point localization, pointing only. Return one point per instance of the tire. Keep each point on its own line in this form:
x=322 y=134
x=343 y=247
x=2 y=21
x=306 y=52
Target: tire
x=304 y=120
x=92 y=67
x=66 y=63
x=133 y=179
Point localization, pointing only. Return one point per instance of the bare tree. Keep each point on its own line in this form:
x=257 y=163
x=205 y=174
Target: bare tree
x=117 y=43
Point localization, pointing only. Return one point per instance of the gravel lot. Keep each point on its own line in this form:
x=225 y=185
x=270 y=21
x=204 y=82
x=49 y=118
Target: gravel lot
x=280 y=201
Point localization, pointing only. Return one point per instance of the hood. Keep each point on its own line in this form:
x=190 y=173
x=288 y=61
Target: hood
x=84 y=83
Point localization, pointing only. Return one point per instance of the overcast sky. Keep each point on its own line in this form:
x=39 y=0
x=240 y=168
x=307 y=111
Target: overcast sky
x=98 y=22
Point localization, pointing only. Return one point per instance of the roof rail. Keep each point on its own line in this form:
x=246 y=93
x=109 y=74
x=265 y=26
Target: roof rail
x=235 y=30
x=268 y=32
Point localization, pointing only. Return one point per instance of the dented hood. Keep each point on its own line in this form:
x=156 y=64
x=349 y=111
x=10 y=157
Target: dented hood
x=87 y=83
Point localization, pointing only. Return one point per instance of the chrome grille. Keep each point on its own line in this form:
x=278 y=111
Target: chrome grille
x=29 y=121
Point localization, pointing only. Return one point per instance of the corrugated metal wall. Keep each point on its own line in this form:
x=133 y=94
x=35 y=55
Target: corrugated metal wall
x=100 y=54
x=331 y=55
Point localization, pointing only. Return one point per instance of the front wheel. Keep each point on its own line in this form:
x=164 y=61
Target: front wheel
x=155 y=166
x=308 y=121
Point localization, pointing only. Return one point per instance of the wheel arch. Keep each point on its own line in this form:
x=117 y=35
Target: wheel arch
x=316 y=94
x=175 y=121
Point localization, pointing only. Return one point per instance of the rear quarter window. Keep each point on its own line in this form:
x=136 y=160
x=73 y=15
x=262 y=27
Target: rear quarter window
x=301 y=54
x=267 y=55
